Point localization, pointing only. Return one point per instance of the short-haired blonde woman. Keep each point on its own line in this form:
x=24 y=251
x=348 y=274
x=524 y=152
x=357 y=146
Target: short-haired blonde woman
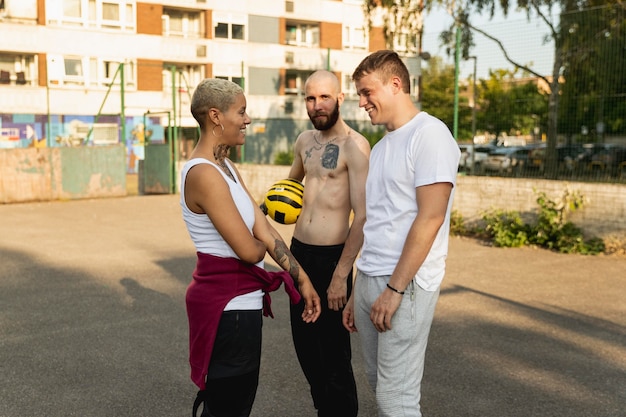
x=228 y=295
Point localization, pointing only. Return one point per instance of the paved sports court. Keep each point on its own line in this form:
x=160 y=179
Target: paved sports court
x=92 y=323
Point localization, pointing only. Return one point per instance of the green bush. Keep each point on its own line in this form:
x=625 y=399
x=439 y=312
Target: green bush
x=554 y=231
x=506 y=228
x=457 y=224
x=551 y=229
x=284 y=158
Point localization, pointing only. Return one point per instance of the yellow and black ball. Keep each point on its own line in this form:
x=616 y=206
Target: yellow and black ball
x=283 y=201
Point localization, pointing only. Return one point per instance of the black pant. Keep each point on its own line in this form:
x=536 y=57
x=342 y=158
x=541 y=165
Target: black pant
x=233 y=374
x=323 y=348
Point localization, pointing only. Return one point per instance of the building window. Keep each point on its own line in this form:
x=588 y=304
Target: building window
x=73 y=67
x=16 y=69
x=72 y=71
x=404 y=43
x=111 y=11
x=237 y=31
x=72 y=8
x=185 y=78
x=294 y=81
x=185 y=23
x=108 y=14
x=89 y=71
x=354 y=37
x=229 y=26
x=237 y=80
x=348 y=87
x=221 y=30
x=230 y=31
x=109 y=73
x=301 y=34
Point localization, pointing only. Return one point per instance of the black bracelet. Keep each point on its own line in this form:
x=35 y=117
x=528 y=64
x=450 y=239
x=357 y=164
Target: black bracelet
x=394 y=290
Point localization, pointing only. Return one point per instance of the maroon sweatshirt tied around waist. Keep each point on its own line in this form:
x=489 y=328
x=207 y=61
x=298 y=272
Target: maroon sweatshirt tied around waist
x=216 y=281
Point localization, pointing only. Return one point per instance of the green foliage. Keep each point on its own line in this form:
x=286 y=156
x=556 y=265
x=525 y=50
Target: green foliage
x=593 y=37
x=457 y=224
x=551 y=229
x=438 y=97
x=284 y=158
x=395 y=14
x=373 y=136
x=506 y=228
x=552 y=218
x=506 y=105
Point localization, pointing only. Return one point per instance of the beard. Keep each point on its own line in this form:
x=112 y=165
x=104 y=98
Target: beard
x=332 y=119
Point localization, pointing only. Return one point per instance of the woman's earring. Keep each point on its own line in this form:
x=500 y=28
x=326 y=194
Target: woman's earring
x=221 y=134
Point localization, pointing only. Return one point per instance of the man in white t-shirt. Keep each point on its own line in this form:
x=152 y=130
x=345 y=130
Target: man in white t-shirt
x=409 y=193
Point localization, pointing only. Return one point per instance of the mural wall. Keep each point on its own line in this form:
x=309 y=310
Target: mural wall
x=43 y=131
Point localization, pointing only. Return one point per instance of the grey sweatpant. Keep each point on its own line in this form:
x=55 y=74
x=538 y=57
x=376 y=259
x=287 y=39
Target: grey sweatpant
x=394 y=360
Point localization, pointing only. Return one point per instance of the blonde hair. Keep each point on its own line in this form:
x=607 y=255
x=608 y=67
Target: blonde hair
x=213 y=93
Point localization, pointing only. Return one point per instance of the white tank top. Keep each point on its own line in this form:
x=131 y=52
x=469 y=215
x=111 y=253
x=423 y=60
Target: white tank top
x=207 y=239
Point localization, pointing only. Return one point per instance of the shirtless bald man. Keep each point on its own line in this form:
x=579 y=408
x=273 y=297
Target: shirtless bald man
x=334 y=159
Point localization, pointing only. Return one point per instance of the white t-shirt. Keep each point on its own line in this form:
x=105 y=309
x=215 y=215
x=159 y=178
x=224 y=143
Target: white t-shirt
x=421 y=152
x=207 y=239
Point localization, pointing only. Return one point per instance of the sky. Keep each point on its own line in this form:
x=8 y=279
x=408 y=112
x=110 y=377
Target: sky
x=522 y=39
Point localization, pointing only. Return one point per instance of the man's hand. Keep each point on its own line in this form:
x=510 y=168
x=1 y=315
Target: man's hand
x=384 y=308
x=348 y=316
x=337 y=293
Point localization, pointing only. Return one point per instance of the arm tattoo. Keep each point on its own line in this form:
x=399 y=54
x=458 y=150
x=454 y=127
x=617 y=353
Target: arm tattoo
x=284 y=256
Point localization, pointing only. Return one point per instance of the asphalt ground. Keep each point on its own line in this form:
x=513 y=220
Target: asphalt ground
x=93 y=323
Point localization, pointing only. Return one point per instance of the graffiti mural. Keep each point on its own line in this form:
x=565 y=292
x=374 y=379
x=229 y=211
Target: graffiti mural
x=40 y=131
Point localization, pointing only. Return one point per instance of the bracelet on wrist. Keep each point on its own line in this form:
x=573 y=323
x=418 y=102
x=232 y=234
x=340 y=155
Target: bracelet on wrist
x=395 y=290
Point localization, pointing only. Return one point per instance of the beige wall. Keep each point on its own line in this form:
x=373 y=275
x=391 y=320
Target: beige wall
x=38 y=175
x=603 y=215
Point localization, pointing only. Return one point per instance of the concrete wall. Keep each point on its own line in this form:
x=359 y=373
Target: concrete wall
x=603 y=215
x=42 y=174
x=92 y=172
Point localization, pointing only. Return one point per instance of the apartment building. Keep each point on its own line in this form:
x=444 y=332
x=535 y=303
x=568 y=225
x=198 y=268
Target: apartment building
x=95 y=72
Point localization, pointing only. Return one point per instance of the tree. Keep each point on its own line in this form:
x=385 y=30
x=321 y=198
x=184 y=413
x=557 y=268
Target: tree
x=595 y=86
x=540 y=9
x=509 y=104
x=401 y=19
x=437 y=96
x=560 y=33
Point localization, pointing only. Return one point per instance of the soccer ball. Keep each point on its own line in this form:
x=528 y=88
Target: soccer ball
x=283 y=201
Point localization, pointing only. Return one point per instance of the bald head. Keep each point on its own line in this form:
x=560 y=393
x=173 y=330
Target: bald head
x=325 y=79
x=323 y=97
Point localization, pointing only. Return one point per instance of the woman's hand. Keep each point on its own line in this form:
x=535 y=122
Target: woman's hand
x=312 y=304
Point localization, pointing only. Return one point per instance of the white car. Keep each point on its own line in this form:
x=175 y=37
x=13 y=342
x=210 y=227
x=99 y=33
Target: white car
x=509 y=159
x=473 y=156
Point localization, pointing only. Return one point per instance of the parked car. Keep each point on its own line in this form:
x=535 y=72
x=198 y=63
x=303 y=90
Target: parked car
x=507 y=160
x=567 y=156
x=610 y=159
x=473 y=156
